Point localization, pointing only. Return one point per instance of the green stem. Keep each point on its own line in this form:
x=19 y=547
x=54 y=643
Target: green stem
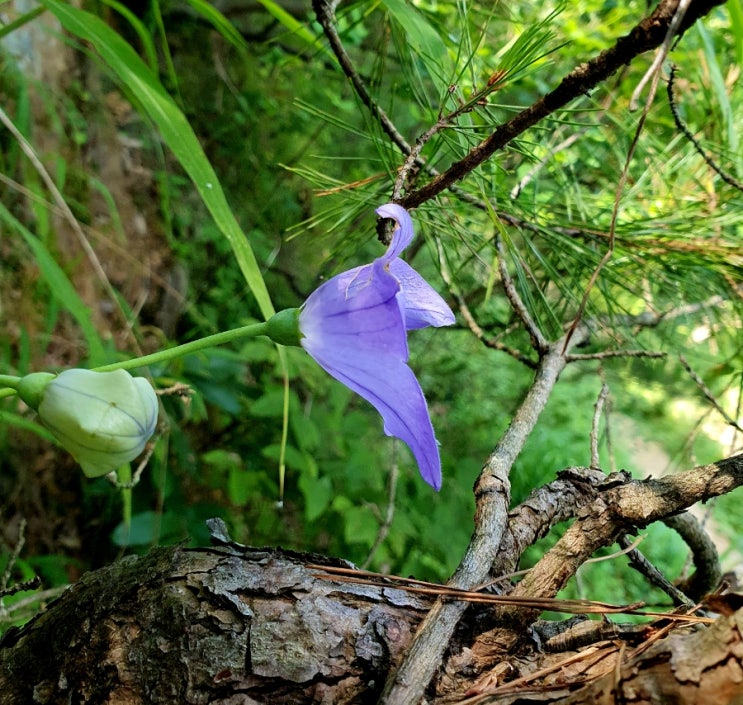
x=187 y=348
x=9 y=381
x=20 y=21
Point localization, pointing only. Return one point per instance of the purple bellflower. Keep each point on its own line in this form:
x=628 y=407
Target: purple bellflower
x=355 y=327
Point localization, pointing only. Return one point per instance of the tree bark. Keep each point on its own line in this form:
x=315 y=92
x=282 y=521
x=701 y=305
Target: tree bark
x=233 y=625
x=221 y=625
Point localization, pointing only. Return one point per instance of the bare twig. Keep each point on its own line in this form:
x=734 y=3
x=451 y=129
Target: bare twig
x=734 y=439
x=643 y=566
x=604 y=354
x=324 y=11
x=384 y=526
x=708 y=573
x=490 y=342
x=561 y=146
x=623 y=551
x=15 y=611
x=469 y=319
x=653 y=73
x=30 y=584
x=537 y=339
x=20 y=541
x=607 y=429
x=598 y=409
x=708 y=394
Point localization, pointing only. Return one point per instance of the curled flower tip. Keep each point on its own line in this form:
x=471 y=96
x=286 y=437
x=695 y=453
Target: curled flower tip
x=103 y=419
x=422 y=303
x=354 y=326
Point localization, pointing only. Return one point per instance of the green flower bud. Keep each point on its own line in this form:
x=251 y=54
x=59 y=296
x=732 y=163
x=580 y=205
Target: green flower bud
x=283 y=327
x=103 y=419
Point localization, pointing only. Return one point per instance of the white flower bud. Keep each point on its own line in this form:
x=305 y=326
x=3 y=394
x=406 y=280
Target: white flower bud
x=103 y=419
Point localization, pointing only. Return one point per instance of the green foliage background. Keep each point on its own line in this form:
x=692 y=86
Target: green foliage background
x=251 y=160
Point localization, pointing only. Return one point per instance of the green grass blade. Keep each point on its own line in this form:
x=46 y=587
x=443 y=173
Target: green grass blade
x=220 y=23
x=60 y=286
x=735 y=8
x=423 y=38
x=174 y=129
x=11 y=27
x=148 y=46
x=718 y=85
x=296 y=28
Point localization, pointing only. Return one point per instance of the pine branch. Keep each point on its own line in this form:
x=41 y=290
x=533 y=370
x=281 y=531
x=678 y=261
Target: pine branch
x=727 y=178
x=647 y=35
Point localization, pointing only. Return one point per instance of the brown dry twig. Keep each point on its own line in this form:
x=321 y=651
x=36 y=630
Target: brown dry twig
x=538 y=341
x=709 y=395
x=421 y=587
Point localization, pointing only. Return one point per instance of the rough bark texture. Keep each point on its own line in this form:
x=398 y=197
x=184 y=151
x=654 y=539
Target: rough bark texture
x=233 y=625
x=209 y=626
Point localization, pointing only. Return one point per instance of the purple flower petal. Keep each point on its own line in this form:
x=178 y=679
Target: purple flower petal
x=356 y=310
x=402 y=235
x=360 y=339
x=423 y=305
x=355 y=327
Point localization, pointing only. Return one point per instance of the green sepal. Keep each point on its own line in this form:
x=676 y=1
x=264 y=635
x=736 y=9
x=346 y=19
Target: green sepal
x=283 y=327
x=31 y=387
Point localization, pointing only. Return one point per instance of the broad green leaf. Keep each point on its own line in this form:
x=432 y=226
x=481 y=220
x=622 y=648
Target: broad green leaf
x=174 y=128
x=317 y=492
x=149 y=527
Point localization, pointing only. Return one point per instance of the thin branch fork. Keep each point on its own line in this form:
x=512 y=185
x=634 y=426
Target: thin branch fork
x=601 y=523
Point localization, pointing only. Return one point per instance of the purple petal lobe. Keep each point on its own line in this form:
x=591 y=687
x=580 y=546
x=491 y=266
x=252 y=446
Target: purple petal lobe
x=402 y=235
x=354 y=328
x=423 y=305
x=358 y=309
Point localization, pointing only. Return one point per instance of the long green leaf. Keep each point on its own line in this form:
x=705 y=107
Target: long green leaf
x=296 y=27
x=423 y=38
x=735 y=8
x=220 y=23
x=174 y=128
x=60 y=286
x=148 y=46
